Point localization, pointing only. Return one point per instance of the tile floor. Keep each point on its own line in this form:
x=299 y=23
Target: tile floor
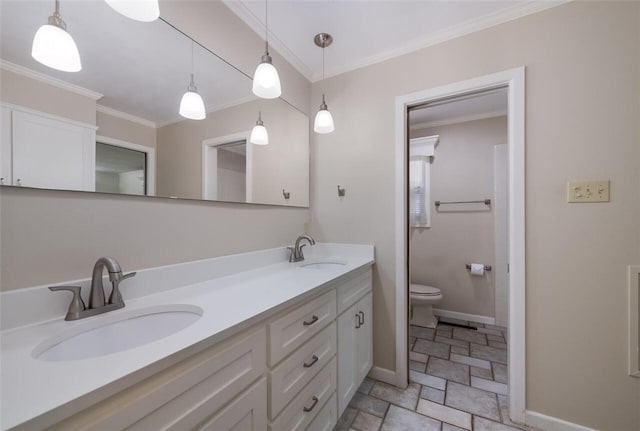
x=458 y=381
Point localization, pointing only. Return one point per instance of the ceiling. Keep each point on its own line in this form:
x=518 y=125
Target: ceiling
x=366 y=32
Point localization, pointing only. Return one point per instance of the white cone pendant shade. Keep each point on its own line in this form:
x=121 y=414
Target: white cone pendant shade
x=324 y=120
x=54 y=47
x=259 y=135
x=140 y=10
x=192 y=105
x=266 y=81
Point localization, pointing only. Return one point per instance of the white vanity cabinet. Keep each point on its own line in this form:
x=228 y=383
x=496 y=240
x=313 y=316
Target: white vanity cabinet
x=355 y=354
x=38 y=150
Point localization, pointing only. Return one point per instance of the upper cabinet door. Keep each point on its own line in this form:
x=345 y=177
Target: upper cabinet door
x=51 y=153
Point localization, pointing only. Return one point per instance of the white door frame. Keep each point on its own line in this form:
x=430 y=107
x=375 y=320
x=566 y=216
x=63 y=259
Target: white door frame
x=513 y=79
x=150 y=162
x=209 y=160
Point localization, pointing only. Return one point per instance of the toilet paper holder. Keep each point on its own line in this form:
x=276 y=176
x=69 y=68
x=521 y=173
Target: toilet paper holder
x=486 y=267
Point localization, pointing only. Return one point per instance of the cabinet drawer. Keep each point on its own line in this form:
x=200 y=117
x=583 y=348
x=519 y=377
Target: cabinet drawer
x=192 y=389
x=353 y=289
x=298 y=369
x=327 y=417
x=248 y=412
x=305 y=406
x=296 y=327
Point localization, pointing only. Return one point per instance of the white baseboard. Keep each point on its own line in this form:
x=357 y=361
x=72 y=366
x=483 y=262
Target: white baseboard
x=550 y=423
x=383 y=375
x=464 y=316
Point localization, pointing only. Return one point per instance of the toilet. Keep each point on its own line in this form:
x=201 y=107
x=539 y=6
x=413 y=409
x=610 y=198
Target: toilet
x=422 y=298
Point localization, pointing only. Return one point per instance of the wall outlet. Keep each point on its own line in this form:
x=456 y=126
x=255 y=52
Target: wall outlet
x=588 y=191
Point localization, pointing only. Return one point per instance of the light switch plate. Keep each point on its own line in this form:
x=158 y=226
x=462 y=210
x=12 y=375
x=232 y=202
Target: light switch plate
x=588 y=191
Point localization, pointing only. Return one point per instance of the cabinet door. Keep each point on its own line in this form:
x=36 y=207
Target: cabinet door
x=364 y=334
x=348 y=368
x=248 y=412
x=5 y=147
x=52 y=154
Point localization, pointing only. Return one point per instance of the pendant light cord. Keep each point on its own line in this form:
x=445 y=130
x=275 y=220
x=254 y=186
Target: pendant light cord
x=266 y=23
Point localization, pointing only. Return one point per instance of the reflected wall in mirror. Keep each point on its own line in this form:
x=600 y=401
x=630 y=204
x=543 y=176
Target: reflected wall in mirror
x=127 y=96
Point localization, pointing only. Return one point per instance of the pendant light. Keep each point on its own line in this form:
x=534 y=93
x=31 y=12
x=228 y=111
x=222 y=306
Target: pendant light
x=140 y=10
x=191 y=105
x=324 y=121
x=54 y=47
x=259 y=135
x=266 y=82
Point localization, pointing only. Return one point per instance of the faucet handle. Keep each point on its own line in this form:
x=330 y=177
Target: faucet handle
x=291 y=253
x=76 y=306
x=116 y=296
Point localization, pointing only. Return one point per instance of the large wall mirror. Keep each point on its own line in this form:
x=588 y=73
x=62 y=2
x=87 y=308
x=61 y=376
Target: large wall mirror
x=114 y=126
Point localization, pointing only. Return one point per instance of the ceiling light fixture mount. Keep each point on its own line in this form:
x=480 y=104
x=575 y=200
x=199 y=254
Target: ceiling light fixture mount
x=324 y=121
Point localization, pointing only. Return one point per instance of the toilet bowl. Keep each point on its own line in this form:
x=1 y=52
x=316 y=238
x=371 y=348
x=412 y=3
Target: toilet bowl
x=422 y=298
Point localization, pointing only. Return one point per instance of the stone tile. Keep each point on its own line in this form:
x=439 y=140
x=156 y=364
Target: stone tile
x=469 y=335
x=503 y=402
x=399 y=419
x=369 y=404
x=366 y=386
x=431 y=348
x=449 y=427
x=344 y=422
x=498 y=344
x=481 y=372
x=420 y=332
x=444 y=331
x=460 y=350
x=481 y=424
x=497 y=328
x=472 y=400
x=498 y=338
x=452 y=342
x=489 y=353
x=412 y=341
x=417 y=366
x=490 y=331
x=448 y=370
x=432 y=394
x=366 y=422
x=444 y=414
x=406 y=398
x=500 y=373
x=480 y=363
x=426 y=379
x=420 y=357
x=490 y=385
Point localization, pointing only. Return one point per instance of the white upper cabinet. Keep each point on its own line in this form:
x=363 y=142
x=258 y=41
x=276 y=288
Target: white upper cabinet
x=45 y=152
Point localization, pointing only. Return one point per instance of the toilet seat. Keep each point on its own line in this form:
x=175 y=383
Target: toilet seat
x=422 y=290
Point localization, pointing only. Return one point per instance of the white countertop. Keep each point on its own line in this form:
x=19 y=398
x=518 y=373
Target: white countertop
x=230 y=301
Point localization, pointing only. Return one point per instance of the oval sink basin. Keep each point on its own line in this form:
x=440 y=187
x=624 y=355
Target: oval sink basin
x=108 y=333
x=323 y=265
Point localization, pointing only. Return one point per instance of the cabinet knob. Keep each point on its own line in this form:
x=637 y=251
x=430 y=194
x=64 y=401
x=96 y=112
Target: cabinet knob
x=19 y=181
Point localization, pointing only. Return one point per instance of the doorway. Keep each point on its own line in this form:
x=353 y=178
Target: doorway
x=513 y=81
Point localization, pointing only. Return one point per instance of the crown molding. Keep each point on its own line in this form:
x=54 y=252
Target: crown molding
x=126 y=116
x=38 y=76
x=457 y=120
x=256 y=24
x=209 y=110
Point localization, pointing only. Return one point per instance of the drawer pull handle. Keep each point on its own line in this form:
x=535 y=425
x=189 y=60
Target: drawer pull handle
x=358 y=324
x=308 y=409
x=362 y=315
x=313 y=320
x=314 y=359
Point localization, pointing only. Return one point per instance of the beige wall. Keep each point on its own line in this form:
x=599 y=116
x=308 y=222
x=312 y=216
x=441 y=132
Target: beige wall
x=283 y=164
x=33 y=94
x=462 y=169
x=582 y=84
x=125 y=130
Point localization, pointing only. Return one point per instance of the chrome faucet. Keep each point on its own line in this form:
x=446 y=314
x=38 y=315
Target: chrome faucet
x=97 y=305
x=296 y=251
